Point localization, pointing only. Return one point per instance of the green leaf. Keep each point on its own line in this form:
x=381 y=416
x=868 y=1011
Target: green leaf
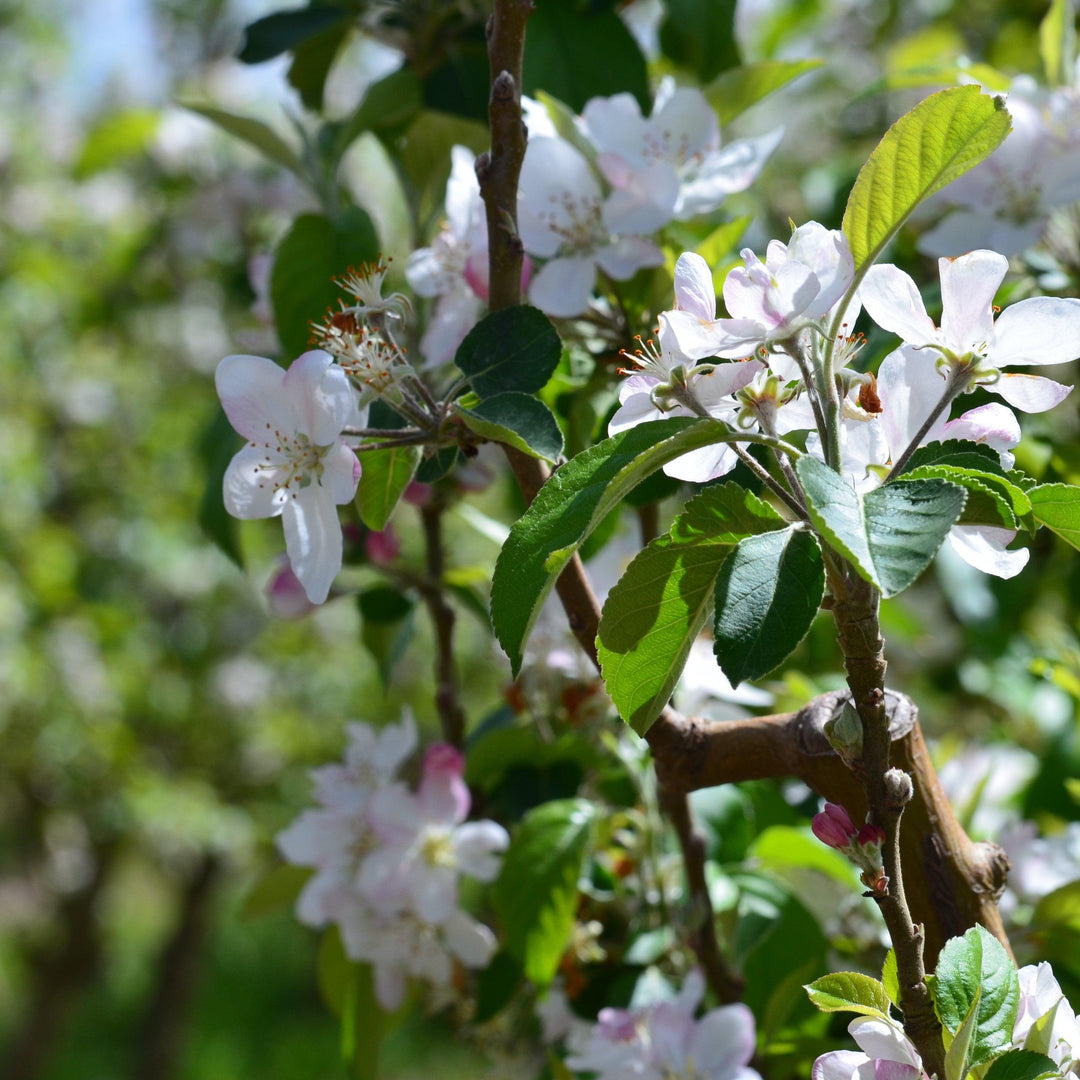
x=781 y=847
x=218 y=444
x=958 y=1057
x=849 y=991
x=1057 y=42
x=1022 y=1065
x=940 y=139
x=495 y=986
x=569 y=506
x=767 y=594
x=889 y=535
x=275 y=891
x=513 y=350
x=566 y=125
x=536 y=893
x=461 y=84
x=699 y=35
x=312 y=60
x=388 y=627
x=274 y=34
x=656 y=611
x=254 y=132
x=519 y=420
x=975 y=970
x=1057 y=506
x=732 y=93
x=384 y=477
x=562 y=48
x=115 y=139
x=391 y=102
x=890 y=977
x=311 y=254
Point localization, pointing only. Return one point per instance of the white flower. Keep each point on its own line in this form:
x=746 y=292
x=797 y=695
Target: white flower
x=1042 y=330
x=563 y=217
x=295 y=464
x=1041 y=995
x=887 y=1054
x=672 y=164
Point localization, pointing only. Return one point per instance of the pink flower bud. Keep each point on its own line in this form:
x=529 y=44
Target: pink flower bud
x=418 y=494
x=441 y=759
x=442 y=789
x=382 y=548
x=833 y=826
x=286 y=596
x=871 y=836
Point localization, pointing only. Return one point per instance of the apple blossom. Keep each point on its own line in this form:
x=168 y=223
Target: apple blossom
x=1040 y=995
x=886 y=1053
x=295 y=463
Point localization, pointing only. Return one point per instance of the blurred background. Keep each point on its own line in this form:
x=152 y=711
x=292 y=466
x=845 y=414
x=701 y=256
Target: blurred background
x=156 y=718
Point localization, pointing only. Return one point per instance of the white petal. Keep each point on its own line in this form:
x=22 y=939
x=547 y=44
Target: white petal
x=983 y=547
x=733 y=169
x=389 y=986
x=910 y=387
x=455 y=314
x=883 y=1040
x=1041 y=330
x=251 y=485
x=968 y=285
x=826 y=253
x=426 y=273
x=694 y=291
x=838 y=1065
x=322 y=396
x=252 y=395
x=637 y=408
x=697 y=340
x=963 y=230
x=992 y=424
x=893 y=301
x=626 y=255
x=724 y=1040
x=462 y=190
x=563 y=286
x=1030 y=393
x=700 y=466
x=615 y=125
x=478 y=846
x=471 y=942
x=433 y=890
x=556 y=182
x=644 y=201
x=341 y=473
x=313 y=540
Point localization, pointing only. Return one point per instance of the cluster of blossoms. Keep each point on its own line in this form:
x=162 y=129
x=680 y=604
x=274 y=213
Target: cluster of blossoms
x=585 y=207
x=658 y=1041
x=1045 y=1023
x=388 y=860
x=790 y=325
x=862 y=845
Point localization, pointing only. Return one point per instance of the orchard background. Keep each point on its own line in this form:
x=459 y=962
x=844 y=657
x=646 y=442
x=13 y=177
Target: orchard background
x=176 y=189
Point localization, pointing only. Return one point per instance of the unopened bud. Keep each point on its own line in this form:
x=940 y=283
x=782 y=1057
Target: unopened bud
x=845 y=733
x=898 y=787
x=834 y=827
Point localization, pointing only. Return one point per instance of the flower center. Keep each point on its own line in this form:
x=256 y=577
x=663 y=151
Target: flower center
x=437 y=848
x=299 y=464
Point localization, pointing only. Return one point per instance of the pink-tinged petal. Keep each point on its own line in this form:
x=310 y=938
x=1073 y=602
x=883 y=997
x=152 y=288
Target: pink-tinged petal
x=442 y=759
x=626 y=255
x=883 y=1040
x=1042 y=330
x=252 y=395
x=838 y=1065
x=826 y=253
x=563 y=287
x=478 y=846
x=471 y=942
x=893 y=301
x=992 y=424
x=322 y=395
x=251 y=485
x=313 y=540
x=285 y=595
x=724 y=1040
x=616 y=170
x=698 y=340
x=896 y=1070
x=983 y=547
x=444 y=798
x=341 y=473
x=968 y=285
x=1030 y=393
x=833 y=826
x=390 y=986
x=694 y=291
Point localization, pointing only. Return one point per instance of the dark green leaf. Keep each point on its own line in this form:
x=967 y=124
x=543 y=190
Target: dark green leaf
x=576 y=53
x=1057 y=506
x=1022 y=1065
x=254 y=132
x=849 y=991
x=460 y=85
x=569 y=506
x=889 y=535
x=656 y=611
x=311 y=254
x=516 y=349
x=973 y=968
x=536 y=893
x=699 y=35
x=736 y=90
x=216 y=449
x=384 y=477
x=388 y=627
x=495 y=986
x=519 y=420
x=312 y=60
x=767 y=594
x=274 y=34
x=437 y=465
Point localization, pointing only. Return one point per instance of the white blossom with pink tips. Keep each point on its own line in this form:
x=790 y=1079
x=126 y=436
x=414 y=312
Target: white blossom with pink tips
x=886 y=1054
x=663 y=1040
x=969 y=344
x=295 y=464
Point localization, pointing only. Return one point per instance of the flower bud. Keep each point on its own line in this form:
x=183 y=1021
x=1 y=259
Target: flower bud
x=833 y=826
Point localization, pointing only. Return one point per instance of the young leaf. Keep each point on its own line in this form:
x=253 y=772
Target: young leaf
x=656 y=611
x=513 y=350
x=384 y=477
x=733 y=92
x=849 y=991
x=940 y=139
x=1057 y=42
x=767 y=594
x=1057 y=506
x=1022 y=1065
x=890 y=978
x=254 y=132
x=536 y=893
x=274 y=34
x=312 y=253
x=958 y=1056
x=889 y=535
x=519 y=420
x=976 y=971
x=569 y=506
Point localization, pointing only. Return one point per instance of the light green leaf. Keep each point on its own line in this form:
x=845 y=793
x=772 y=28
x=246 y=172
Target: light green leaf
x=958 y=1055
x=890 y=977
x=116 y=138
x=536 y=893
x=940 y=139
x=570 y=506
x=1022 y=1065
x=767 y=594
x=889 y=535
x=254 y=132
x=1057 y=506
x=975 y=972
x=384 y=477
x=849 y=991
x=733 y=92
x=1057 y=42
x=781 y=847
x=275 y=891
x=656 y=611
x=519 y=420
